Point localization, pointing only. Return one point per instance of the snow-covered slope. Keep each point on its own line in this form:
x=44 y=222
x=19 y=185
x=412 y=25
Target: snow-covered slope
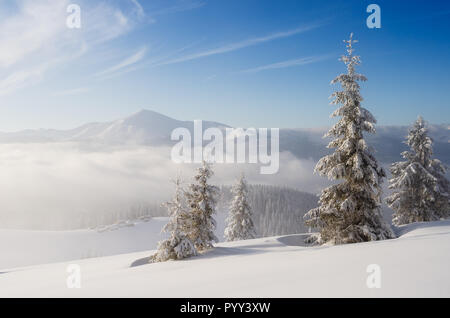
x=416 y=264
x=25 y=247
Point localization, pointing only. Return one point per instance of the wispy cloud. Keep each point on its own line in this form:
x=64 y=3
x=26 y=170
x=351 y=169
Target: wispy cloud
x=150 y=14
x=178 y=6
x=36 y=39
x=288 y=63
x=151 y=62
x=104 y=22
x=73 y=91
x=29 y=30
x=22 y=78
x=129 y=61
x=138 y=7
x=33 y=73
x=210 y=78
x=243 y=44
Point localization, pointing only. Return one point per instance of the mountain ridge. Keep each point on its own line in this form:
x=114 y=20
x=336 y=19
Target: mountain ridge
x=150 y=128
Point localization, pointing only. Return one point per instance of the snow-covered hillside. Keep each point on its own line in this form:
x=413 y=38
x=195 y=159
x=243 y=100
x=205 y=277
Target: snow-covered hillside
x=415 y=264
x=25 y=247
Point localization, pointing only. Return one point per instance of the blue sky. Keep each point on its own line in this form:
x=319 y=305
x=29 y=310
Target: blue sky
x=242 y=62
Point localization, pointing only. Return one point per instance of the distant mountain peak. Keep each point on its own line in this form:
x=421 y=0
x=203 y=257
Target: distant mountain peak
x=148 y=115
x=148 y=127
x=147 y=112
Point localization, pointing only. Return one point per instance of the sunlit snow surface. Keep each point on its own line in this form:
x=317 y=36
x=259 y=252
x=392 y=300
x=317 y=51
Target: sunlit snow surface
x=24 y=247
x=415 y=264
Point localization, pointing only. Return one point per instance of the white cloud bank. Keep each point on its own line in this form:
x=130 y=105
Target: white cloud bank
x=38 y=180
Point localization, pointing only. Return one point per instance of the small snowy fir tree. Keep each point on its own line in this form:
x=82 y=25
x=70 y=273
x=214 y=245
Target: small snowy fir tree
x=421 y=191
x=349 y=211
x=178 y=245
x=201 y=198
x=239 y=221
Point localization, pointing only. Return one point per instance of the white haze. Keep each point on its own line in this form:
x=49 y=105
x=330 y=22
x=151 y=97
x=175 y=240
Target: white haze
x=39 y=181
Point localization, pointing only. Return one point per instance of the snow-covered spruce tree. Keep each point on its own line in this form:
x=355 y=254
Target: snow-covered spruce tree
x=421 y=191
x=239 y=221
x=178 y=245
x=349 y=211
x=201 y=198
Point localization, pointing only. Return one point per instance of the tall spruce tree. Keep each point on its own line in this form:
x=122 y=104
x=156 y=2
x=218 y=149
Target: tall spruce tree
x=239 y=221
x=201 y=198
x=349 y=211
x=421 y=191
x=178 y=245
